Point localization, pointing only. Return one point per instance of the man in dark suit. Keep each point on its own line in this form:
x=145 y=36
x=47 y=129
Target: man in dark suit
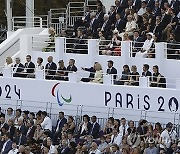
x=3 y=124
x=95 y=127
x=83 y=21
x=29 y=66
x=59 y=125
x=142 y=129
x=19 y=138
x=11 y=128
x=150 y=4
x=112 y=14
x=7 y=146
x=18 y=68
x=22 y=127
x=156 y=10
x=50 y=68
x=80 y=43
x=120 y=24
x=31 y=129
x=112 y=70
x=72 y=67
x=60 y=122
x=91 y=75
x=99 y=16
x=137 y=5
x=146 y=72
x=137 y=43
x=106 y=26
x=165 y=18
x=175 y=4
x=93 y=25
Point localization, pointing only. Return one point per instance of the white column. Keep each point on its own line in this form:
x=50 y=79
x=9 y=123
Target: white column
x=125 y=52
x=160 y=55
x=73 y=77
x=30 y=13
x=9 y=14
x=108 y=79
x=7 y=72
x=93 y=49
x=39 y=74
x=143 y=82
x=60 y=43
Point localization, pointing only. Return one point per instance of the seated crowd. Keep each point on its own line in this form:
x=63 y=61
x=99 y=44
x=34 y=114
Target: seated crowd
x=144 y=22
x=60 y=72
x=26 y=133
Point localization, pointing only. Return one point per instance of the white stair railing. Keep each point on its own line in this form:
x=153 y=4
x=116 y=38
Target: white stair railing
x=22 y=22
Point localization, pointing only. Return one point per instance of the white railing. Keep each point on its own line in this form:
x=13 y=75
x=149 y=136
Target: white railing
x=75 y=10
x=172 y=50
x=23 y=22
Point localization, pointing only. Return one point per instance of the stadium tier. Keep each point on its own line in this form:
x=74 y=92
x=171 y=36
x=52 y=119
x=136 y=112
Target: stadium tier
x=96 y=77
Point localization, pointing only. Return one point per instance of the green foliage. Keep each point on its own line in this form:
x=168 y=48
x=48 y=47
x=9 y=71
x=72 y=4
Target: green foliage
x=41 y=7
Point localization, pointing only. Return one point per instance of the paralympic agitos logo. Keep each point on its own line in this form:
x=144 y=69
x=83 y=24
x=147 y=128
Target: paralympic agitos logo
x=60 y=99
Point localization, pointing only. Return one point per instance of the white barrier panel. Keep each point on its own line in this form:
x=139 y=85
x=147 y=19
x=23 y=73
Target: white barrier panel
x=7 y=72
x=127 y=97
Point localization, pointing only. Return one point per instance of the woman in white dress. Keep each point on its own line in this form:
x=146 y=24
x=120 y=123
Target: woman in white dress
x=9 y=63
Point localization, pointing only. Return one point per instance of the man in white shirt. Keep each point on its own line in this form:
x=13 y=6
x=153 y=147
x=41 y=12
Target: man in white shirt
x=146 y=46
x=116 y=138
x=166 y=138
x=94 y=149
x=47 y=122
x=9 y=114
x=53 y=149
x=142 y=10
x=123 y=127
x=14 y=149
x=7 y=146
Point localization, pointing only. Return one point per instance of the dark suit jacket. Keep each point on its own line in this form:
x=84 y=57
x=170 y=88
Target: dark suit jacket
x=20 y=67
x=141 y=130
x=8 y=147
x=31 y=65
x=120 y=25
x=175 y=5
x=73 y=68
x=95 y=130
x=61 y=124
x=165 y=20
x=112 y=71
x=157 y=12
x=52 y=69
x=12 y=131
x=92 y=71
x=112 y=17
x=138 y=43
x=99 y=18
x=20 y=140
x=137 y=5
x=148 y=74
x=23 y=129
x=89 y=126
x=5 y=126
x=150 y=3
x=31 y=133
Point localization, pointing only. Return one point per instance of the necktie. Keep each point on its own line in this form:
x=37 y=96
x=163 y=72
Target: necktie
x=123 y=130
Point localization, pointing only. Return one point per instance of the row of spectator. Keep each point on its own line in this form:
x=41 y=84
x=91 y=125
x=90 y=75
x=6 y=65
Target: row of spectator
x=128 y=77
x=26 y=132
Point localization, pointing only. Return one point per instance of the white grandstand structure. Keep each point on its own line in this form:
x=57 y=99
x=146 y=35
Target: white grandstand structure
x=78 y=98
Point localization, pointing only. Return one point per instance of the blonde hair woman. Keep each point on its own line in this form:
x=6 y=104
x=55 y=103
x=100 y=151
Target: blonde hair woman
x=9 y=62
x=98 y=77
